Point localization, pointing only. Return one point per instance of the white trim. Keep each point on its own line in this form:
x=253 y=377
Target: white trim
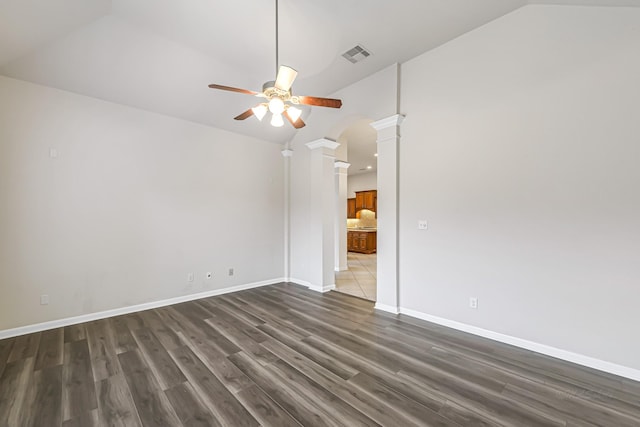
x=341 y=165
x=395 y=120
x=323 y=143
x=38 y=327
x=388 y=308
x=568 y=356
x=322 y=289
x=311 y=286
x=287 y=153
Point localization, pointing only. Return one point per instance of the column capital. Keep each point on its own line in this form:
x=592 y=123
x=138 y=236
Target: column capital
x=388 y=129
x=287 y=153
x=341 y=165
x=323 y=143
x=395 y=120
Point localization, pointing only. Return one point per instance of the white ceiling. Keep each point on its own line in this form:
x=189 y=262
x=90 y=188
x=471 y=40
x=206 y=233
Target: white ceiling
x=160 y=55
x=360 y=139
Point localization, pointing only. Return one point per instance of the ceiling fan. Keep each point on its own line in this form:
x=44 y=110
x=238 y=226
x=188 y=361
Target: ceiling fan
x=279 y=100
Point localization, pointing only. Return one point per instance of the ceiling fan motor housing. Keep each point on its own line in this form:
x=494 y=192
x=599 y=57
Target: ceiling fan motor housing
x=269 y=91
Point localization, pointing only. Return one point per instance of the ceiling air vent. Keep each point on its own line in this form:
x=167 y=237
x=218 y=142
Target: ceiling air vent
x=356 y=54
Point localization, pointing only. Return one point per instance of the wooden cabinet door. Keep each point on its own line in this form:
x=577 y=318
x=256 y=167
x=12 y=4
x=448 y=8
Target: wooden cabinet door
x=372 y=240
x=362 y=242
x=369 y=198
x=375 y=203
x=351 y=208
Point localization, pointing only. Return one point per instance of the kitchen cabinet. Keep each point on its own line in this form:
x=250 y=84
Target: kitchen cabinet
x=361 y=241
x=367 y=200
x=351 y=208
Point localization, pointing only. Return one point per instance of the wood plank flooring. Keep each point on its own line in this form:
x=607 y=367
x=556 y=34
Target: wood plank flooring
x=285 y=356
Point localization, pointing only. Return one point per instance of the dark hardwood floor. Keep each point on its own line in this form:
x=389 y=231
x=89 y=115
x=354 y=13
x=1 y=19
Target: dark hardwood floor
x=285 y=356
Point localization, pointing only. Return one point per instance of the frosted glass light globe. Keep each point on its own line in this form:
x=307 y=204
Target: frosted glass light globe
x=277 y=121
x=276 y=105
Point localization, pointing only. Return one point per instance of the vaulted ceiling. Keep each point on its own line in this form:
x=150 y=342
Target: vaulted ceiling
x=160 y=55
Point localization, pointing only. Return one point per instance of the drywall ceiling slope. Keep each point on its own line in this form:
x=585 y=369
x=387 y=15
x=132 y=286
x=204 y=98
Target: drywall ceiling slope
x=160 y=55
x=26 y=25
x=604 y=3
x=361 y=142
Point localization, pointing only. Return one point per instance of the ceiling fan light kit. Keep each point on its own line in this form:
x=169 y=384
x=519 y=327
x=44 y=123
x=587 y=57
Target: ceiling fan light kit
x=260 y=111
x=277 y=121
x=280 y=102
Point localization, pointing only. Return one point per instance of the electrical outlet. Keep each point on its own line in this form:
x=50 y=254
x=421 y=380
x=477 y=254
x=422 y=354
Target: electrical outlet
x=209 y=275
x=473 y=302
x=231 y=272
x=422 y=224
x=44 y=299
x=190 y=277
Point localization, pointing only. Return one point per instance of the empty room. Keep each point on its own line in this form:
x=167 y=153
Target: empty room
x=319 y=213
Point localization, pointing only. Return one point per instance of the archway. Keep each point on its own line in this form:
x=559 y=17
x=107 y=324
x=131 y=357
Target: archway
x=356 y=225
x=388 y=142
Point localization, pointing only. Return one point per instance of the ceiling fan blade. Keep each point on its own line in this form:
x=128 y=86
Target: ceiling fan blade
x=233 y=89
x=296 y=124
x=320 y=102
x=286 y=76
x=244 y=115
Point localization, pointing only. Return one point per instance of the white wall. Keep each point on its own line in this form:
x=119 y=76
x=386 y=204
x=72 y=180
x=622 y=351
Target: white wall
x=521 y=148
x=361 y=182
x=133 y=202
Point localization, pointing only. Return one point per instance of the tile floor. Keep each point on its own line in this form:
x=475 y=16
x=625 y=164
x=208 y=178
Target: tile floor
x=360 y=279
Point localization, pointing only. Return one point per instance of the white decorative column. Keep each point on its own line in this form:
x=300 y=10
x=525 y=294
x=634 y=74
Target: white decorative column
x=388 y=298
x=286 y=154
x=322 y=214
x=341 y=216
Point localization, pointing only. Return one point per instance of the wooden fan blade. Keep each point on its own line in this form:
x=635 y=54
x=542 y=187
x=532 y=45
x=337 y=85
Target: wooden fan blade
x=320 y=102
x=297 y=124
x=286 y=76
x=233 y=89
x=244 y=115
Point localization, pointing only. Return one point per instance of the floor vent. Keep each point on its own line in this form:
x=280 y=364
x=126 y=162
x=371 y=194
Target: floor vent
x=356 y=54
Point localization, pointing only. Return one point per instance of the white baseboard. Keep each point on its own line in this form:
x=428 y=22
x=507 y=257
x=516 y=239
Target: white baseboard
x=388 y=308
x=322 y=289
x=311 y=286
x=568 y=356
x=38 y=327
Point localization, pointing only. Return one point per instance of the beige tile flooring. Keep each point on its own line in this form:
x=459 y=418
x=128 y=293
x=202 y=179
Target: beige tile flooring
x=360 y=279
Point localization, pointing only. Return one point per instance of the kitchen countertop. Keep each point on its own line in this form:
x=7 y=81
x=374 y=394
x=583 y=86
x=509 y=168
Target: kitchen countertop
x=365 y=230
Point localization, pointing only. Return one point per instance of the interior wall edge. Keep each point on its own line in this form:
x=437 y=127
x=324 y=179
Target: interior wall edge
x=318 y=288
x=38 y=327
x=568 y=356
x=387 y=308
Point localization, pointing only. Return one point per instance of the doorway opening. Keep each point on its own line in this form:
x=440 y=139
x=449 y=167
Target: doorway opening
x=360 y=276
x=360 y=279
